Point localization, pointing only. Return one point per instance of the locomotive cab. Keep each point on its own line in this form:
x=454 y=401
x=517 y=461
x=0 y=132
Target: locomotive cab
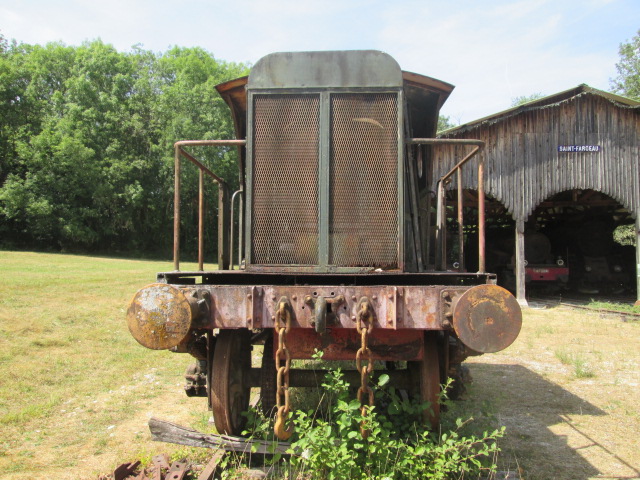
x=337 y=249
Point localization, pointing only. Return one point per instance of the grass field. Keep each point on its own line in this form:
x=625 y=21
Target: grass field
x=76 y=390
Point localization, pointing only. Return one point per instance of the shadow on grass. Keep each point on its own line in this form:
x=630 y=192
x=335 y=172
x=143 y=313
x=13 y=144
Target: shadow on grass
x=528 y=405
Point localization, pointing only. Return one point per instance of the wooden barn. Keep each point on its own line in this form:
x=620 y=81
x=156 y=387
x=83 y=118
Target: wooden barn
x=561 y=175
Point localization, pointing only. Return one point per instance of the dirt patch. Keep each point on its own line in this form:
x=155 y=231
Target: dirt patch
x=568 y=393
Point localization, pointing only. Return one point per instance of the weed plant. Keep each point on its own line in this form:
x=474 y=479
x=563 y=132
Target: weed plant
x=397 y=445
x=581 y=368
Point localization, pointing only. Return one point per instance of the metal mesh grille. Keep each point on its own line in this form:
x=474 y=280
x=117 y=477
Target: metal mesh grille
x=285 y=179
x=364 y=177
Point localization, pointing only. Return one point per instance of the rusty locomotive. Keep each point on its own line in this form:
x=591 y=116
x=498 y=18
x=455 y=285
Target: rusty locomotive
x=341 y=242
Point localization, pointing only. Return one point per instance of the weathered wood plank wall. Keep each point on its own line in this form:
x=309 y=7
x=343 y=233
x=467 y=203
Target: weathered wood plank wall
x=524 y=166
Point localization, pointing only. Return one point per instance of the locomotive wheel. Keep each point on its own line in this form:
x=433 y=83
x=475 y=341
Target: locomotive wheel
x=229 y=390
x=268 y=378
x=426 y=374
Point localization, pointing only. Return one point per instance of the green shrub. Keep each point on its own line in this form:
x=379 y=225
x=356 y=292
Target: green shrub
x=397 y=445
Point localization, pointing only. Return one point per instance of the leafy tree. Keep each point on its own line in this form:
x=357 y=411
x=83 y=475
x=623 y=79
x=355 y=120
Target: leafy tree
x=86 y=143
x=517 y=101
x=625 y=235
x=445 y=123
x=627 y=82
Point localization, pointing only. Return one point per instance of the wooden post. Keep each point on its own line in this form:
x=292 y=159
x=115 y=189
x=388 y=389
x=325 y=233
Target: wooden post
x=163 y=431
x=520 y=273
x=481 y=219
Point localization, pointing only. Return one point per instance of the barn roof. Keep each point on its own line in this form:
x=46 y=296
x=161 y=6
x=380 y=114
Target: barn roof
x=545 y=102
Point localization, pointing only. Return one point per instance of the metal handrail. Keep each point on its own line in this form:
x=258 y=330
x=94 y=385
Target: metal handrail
x=441 y=231
x=223 y=192
x=240 y=194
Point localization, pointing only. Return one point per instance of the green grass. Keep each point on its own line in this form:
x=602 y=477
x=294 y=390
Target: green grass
x=581 y=368
x=68 y=366
x=614 y=306
x=563 y=356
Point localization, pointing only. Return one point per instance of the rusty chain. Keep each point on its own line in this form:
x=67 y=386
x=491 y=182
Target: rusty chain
x=282 y=380
x=364 y=326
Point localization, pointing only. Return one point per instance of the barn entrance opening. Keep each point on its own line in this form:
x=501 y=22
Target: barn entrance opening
x=581 y=241
x=578 y=241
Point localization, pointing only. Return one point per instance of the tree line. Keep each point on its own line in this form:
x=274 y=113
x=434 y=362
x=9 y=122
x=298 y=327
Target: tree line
x=86 y=143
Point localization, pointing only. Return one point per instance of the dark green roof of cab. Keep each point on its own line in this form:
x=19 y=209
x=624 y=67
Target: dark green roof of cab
x=350 y=68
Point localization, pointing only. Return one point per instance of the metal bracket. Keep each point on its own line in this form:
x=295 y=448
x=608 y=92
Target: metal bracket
x=202 y=299
x=320 y=312
x=364 y=306
x=449 y=300
x=320 y=315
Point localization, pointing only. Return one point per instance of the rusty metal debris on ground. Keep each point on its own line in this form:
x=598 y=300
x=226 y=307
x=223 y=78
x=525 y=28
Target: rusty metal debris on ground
x=162 y=470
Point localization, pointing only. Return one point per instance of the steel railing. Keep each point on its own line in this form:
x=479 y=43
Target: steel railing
x=223 y=202
x=225 y=244
x=441 y=213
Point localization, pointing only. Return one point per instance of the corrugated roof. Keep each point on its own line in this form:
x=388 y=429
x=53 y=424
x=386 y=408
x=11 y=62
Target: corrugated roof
x=550 y=100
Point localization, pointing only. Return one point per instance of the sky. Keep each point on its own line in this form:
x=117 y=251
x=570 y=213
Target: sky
x=492 y=50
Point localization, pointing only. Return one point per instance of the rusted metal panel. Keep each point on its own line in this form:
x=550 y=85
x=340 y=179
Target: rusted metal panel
x=395 y=307
x=178 y=470
x=363 y=206
x=342 y=344
x=284 y=195
x=160 y=316
x=125 y=470
x=487 y=318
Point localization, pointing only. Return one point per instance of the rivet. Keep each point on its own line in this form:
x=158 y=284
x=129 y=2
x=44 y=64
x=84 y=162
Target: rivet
x=294 y=298
x=354 y=298
x=353 y=318
x=248 y=295
x=375 y=297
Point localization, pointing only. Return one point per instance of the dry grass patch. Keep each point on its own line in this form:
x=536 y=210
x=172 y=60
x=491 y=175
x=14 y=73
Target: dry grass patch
x=568 y=391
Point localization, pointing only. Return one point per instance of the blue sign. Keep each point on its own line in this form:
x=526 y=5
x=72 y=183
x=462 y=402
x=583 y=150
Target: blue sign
x=579 y=148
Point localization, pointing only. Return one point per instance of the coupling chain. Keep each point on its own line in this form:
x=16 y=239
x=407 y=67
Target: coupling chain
x=283 y=325
x=364 y=326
